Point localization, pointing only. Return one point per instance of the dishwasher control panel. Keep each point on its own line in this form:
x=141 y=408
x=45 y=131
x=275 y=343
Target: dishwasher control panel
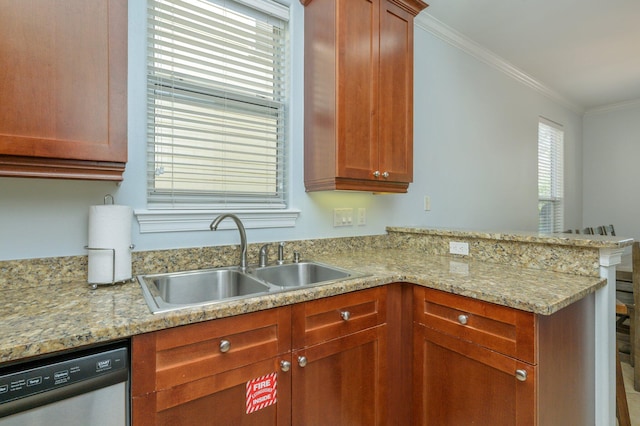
x=39 y=377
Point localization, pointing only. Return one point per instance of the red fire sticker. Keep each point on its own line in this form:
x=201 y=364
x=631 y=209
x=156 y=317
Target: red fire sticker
x=261 y=392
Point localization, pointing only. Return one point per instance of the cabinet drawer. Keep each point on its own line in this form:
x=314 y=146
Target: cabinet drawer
x=333 y=317
x=183 y=354
x=505 y=330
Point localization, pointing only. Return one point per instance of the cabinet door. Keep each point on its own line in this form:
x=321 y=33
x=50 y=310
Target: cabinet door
x=342 y=381
x=357 y=88
x=396 y=94
x=220 y=399
x=459 y=383
x=200 y=371
x=63 y=110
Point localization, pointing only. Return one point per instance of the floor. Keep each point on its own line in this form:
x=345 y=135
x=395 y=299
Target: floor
x=633 y=396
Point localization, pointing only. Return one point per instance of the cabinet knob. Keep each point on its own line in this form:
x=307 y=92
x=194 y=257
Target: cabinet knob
x=463 y=319
x=285 y=365
x=521 y=375
x=345 y=315
x=385 y=175
x=225 y=345
x=302 y=361
x=376 y=173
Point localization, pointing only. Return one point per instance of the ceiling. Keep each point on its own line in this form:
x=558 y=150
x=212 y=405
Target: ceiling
x=586 y=51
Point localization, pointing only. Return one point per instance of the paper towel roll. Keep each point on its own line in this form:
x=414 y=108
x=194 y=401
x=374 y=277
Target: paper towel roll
x=109 y=228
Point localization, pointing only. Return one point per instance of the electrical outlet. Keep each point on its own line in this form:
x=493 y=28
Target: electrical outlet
x=342 y=217
x=362 y=216
x=427 y=203
x=459 y=248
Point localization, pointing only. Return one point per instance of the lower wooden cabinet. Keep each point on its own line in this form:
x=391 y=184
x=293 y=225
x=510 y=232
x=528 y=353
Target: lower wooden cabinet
x=458 y=382
x=397 y=354
x=343 y=381
x=202 y=373
x=198 y=374
x=479 y=363
x=339 y=374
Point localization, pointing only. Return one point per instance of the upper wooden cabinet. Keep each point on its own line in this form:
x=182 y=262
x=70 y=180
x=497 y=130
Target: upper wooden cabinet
x=359 y=94
x=63 y=109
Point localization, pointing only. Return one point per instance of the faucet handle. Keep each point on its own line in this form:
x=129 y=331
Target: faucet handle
x=280 y=253
x=264 y=255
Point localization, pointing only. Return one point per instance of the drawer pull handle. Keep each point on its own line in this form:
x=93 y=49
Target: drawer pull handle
x=285 y=365
x=521 y=375
x=385 y=175
x=463 y=319
x=302 y=361
x=345 y=315
x=225 y=345
x=376 y=173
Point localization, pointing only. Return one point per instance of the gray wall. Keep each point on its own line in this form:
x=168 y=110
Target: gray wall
x=611 y=175
x=475 y=150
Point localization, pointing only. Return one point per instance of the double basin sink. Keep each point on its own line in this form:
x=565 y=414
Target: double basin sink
x=172 y=291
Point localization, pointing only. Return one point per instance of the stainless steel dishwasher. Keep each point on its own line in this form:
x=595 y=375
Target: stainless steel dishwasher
x=86 y=387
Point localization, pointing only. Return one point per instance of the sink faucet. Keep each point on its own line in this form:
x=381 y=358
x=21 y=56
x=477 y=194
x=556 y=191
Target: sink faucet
x=243 y=236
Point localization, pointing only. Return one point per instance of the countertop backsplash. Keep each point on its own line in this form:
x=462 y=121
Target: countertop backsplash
x=573 y=254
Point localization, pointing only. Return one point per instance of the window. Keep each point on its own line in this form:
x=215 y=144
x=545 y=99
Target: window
x=216 y=97
x=550 y=178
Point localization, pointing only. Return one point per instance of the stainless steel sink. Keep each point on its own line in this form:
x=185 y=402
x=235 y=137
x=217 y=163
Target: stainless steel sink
x=170 y=291
x=178 y=290
x=301 y=274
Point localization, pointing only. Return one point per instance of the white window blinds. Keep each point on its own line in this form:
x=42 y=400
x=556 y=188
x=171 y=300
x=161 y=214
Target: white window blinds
x=550 y=176
x=216 y=97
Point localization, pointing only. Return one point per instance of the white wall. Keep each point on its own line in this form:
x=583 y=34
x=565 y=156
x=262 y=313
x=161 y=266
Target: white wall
x=475 y=147
x=611 y=176
x=475 y=156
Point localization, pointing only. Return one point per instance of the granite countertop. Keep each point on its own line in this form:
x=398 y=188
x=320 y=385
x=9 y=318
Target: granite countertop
x=573 y=240
x=39 y=319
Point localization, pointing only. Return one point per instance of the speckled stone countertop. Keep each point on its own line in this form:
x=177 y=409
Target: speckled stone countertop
x=574 y=240
x=37 y=319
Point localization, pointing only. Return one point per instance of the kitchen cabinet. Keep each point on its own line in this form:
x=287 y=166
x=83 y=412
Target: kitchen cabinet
x=328 y=358
x=359 y=94
x=339 y=375
x=481 y=363
x=198 y=374
x=63 y=110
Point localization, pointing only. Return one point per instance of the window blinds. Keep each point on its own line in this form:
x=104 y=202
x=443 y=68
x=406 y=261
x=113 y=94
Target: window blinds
x=216 y=104
x=550 y=176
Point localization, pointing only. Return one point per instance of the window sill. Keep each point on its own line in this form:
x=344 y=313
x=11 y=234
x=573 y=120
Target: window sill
x=199 y=220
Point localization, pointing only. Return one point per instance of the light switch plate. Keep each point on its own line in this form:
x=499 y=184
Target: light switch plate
x=342 y=217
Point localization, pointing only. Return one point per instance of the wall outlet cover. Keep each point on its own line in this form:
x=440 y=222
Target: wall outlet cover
x=459 y=248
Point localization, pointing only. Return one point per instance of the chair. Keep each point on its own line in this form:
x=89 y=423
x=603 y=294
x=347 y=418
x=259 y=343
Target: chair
x=586 y=231
x=609 y=230
x=628 y=295
x=606 y=230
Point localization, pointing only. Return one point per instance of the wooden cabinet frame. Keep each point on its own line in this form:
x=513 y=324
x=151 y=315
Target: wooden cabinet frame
x=64 y=89
x=359 y=94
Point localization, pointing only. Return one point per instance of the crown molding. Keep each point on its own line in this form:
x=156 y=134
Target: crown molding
x=635 y=103
x=460 y=41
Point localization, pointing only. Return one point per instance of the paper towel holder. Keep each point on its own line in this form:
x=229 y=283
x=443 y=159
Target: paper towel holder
x=113 y=267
